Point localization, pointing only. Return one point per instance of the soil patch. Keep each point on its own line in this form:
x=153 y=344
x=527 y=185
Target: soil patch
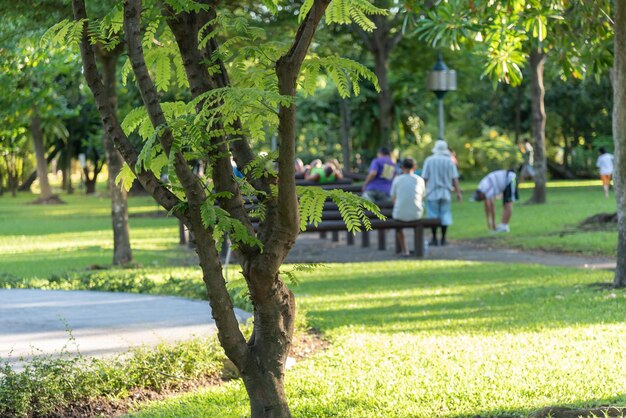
x=605 y=411
x=52 y=200
x=599 y=221
x=304 y=345
x=154 y=214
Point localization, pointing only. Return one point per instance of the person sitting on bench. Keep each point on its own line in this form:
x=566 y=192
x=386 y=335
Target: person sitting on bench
x=407 y=195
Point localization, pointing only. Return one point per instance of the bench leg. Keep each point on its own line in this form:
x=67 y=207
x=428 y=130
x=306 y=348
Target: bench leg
x=382 y=241
x=398 y=251
x=323 y=235
x=419 y=241
x=335 y=236
x=365 y=239
x=350 y=238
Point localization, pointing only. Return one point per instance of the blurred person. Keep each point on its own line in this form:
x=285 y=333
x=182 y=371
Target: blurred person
x=494 y=184
x=377 y=184
x=605 y=164
x=407 y=195
x=442 y=177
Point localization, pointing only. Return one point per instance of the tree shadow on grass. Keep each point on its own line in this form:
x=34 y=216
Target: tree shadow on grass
x=590 y=408
x=474 y=297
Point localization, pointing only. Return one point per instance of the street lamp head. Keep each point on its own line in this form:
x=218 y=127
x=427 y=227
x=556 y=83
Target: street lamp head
x=441 y=79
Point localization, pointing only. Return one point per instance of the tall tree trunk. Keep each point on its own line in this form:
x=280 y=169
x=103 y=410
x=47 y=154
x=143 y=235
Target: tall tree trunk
x=619 y=138
x=518 y=112
x=25 y=186
x=381 y=42
x=346 y=140
x=67 y=170
x=537 y=60
x=385 y=102
x=40 y=156
x=122 y=253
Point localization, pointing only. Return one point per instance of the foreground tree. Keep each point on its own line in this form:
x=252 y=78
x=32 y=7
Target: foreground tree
x=240 y=89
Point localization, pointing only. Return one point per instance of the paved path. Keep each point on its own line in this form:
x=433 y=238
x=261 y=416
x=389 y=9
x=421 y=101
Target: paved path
x=310 y=248
x=36 y=321
x=101 y=323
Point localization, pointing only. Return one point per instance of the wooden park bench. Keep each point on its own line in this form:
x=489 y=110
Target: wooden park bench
x=332 y=222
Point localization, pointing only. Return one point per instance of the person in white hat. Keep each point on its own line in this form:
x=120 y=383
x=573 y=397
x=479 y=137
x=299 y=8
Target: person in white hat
x=442 y=177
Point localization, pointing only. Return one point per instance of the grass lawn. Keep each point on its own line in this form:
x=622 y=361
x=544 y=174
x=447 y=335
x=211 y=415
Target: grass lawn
x=445 y=339
x=549 y=227
x=37 y=241
x=409 y=338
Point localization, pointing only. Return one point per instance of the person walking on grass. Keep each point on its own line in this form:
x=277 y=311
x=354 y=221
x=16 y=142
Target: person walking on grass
x=407 y=195
x=494 y=184
x=605 y=164
x=442 y=177
x=377 y=184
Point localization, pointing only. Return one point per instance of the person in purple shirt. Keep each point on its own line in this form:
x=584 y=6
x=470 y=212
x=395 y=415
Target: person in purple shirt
x=377 y=185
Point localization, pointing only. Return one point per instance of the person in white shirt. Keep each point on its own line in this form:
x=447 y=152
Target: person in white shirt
x=605 y=164
x=499 y=182
x=407 y=195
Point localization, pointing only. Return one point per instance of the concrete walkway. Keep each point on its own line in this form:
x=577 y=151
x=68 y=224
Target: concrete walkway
x=37 y=321
x=101 y=323
x=309 y=248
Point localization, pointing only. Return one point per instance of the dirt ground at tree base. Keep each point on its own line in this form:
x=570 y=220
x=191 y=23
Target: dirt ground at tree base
x=310 y=248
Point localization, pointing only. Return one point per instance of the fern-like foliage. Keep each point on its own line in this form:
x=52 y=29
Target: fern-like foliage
x=255 y=108
x=346 y=12
x=297 y=268
x=125 y=177
x=345 y=73
x=220 y=223
x=351 y=207
x=262 y=166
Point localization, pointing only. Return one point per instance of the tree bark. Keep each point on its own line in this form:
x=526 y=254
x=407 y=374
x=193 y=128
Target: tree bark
x=40 y=156
x=25 y=186
x=537 y=60
x=122 y=252
x=381 y=42
x=346 y=140
x=619 y=138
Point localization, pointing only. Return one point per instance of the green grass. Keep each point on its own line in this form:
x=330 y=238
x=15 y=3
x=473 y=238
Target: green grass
x=541 y=227
x=409 y=339
x=77 y=235
x=445 y=339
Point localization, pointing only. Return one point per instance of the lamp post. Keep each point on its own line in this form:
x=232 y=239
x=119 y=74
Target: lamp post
x=440 y=81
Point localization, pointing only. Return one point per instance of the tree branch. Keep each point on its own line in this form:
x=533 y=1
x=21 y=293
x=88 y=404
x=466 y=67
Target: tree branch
x=226 y=321
x=111 y=124
x=284 y=223
x=185 y=27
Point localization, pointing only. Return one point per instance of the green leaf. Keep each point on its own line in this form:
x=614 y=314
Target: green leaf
x=126 y=177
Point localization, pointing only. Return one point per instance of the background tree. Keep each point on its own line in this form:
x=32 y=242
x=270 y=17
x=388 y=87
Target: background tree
x=619 y=136
x=512 y=33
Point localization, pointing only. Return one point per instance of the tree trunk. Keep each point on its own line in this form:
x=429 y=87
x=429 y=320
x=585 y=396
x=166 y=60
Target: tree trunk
x=40 y=156
x=385 y=102
x=67 y=170
x=518 y=113
x=122 y=253
x=537 y=60
x=25 y=186
x=90 y=185
x=619 y=138
x=346 y=141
